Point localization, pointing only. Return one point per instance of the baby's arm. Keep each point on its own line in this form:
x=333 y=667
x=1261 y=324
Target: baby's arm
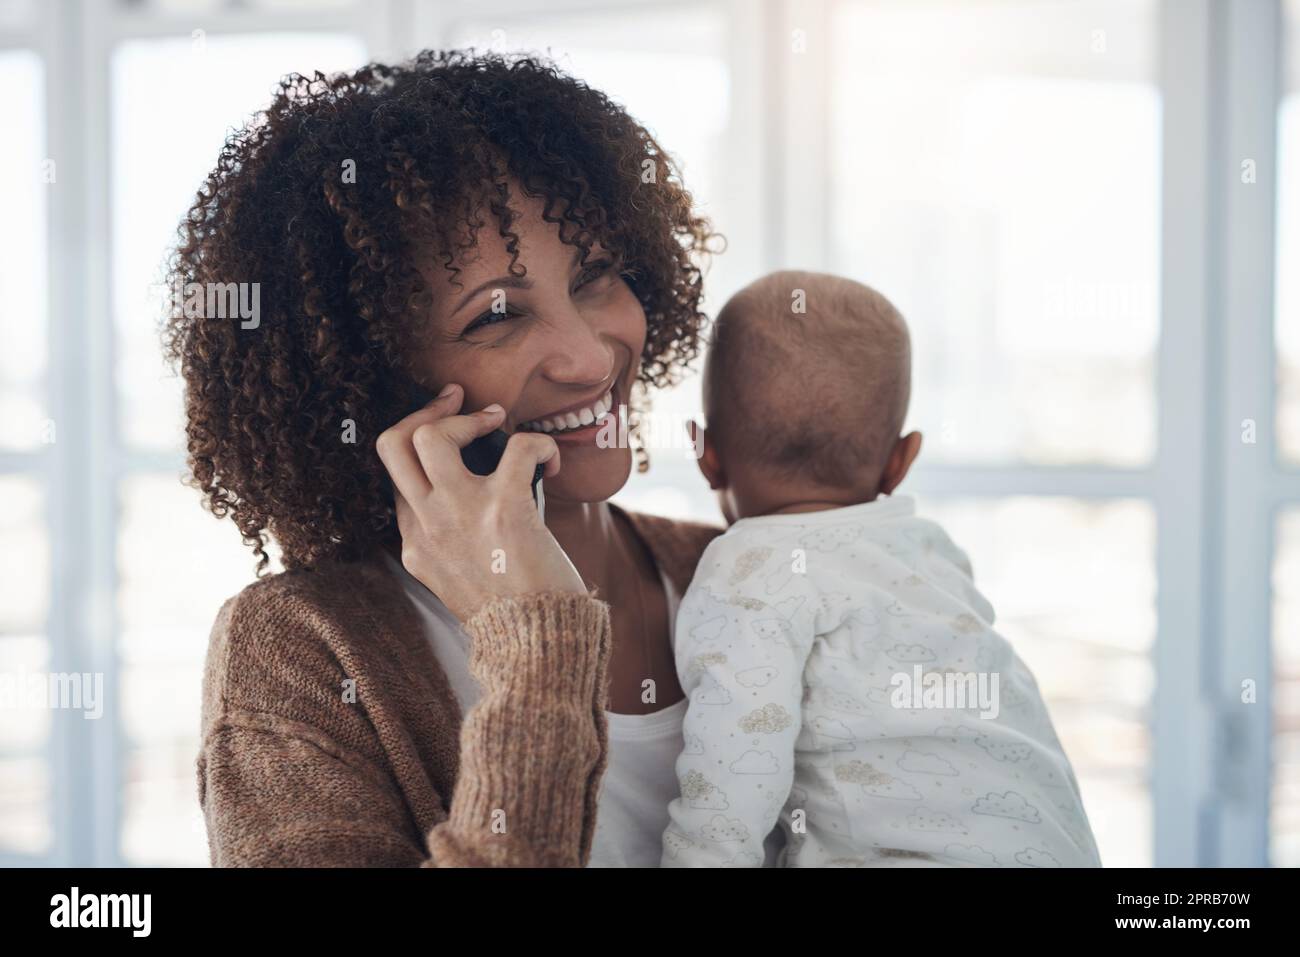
x=741 y=650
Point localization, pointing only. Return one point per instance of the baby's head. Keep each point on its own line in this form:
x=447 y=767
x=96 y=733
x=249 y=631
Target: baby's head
x=806 y=385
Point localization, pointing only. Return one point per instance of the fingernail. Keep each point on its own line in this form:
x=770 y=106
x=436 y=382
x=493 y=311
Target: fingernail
x=493 y=408
x=447 y=390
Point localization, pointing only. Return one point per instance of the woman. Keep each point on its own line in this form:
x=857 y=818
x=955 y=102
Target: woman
x=494 y=231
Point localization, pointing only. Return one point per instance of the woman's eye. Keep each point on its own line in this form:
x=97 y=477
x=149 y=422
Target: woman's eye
x=487 y=319
x=593 y=272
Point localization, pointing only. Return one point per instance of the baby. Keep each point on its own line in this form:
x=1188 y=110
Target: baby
x=844 y=677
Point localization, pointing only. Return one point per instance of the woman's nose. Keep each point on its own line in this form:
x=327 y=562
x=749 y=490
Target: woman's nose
x=578 y=353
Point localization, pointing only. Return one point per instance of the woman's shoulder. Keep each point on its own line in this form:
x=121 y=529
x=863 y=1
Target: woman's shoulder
x=333 y=595
x=289 y=642
x=676 y=544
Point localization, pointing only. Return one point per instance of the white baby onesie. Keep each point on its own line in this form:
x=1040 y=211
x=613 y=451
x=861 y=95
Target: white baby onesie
x=845 y=681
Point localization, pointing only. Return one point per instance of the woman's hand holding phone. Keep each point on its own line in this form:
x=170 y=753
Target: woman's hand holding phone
x=470 y=538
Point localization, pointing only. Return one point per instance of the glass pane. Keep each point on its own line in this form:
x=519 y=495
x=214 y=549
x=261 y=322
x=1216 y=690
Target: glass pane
x=651 y=64
x=26 y=176
x=25 y=553
x=17 y=14
x=177 y=564
x=162 y=825
x=25 y=722
x=25 y=802
x=166 y=137
x=1088 y=648
x=998 y=178
x=1287 y=284
x=25 y=798
x=24 y=656
x=1284 y=829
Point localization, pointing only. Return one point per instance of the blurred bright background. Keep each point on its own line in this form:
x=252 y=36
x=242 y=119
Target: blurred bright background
x=1078 y=204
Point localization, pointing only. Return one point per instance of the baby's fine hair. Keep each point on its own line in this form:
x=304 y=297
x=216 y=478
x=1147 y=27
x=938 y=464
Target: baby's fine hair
x=808 y=374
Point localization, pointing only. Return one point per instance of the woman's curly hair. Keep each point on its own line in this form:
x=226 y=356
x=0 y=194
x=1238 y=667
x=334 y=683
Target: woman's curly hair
x=328 y=200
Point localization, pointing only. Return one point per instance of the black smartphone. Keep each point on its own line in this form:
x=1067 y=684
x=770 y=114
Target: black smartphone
x=483 y=455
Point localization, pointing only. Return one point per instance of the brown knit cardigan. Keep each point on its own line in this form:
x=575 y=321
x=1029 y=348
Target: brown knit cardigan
x=331 y=737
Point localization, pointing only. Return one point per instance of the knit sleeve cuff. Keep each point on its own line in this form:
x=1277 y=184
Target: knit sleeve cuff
x=534 y=748
x=548 y=642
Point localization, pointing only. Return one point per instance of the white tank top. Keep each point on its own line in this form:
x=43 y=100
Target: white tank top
x=640 y=778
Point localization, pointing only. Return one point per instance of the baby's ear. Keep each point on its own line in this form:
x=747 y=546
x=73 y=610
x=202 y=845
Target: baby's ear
x=706 y=454
x=900 y=460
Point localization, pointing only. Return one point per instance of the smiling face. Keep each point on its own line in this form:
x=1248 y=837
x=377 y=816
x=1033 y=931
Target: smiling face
x=565 y=338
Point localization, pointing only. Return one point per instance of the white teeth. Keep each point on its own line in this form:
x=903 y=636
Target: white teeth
x=572 y=420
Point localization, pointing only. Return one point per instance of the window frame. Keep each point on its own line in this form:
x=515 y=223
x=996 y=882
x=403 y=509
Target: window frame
x=83 y=471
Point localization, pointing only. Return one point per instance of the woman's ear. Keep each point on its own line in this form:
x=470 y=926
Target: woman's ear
x=706 y=455
x=900 y=460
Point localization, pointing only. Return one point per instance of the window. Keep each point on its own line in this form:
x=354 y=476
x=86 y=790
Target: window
x=22 y=253
x=25 y=791
x=1288 y=249
x=165 y=607
x=165 y=139
x=999 y=180
x=1116 y=447
x=143 y=566
x=996 y=169
x=26 y=821
x=1286 y=682
x=1284 y=797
